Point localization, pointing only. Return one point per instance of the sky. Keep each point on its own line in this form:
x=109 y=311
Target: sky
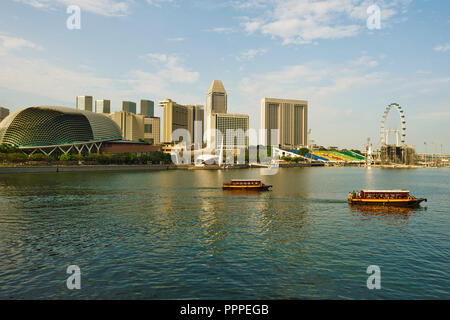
x=325 y=52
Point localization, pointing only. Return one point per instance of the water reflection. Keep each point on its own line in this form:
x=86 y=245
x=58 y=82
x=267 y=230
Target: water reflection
x=385 y=213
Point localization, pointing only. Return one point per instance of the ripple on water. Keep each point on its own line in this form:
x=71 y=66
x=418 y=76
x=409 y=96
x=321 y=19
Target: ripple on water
x=177 y=235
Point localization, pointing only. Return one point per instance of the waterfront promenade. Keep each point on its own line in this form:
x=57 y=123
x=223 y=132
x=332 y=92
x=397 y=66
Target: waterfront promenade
x=149 y=167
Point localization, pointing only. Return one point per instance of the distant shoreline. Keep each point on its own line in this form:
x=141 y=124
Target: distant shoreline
x=162 y=167
x=149 y=167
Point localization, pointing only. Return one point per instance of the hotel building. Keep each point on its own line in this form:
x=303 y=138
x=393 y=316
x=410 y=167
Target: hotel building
x=224 y=122
x=177 y=116
x=84 y=103
x=152 y=124
x=290 y=117
x=152 y=130
x=131 y=125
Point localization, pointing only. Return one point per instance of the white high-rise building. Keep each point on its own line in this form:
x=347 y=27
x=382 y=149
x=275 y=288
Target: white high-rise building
x=103 y=106
x=84 y=103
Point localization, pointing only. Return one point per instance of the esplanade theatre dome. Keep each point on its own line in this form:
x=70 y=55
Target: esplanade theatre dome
x=53 y=126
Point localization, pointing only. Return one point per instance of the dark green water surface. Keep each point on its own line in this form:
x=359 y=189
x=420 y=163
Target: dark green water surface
x=177 y=235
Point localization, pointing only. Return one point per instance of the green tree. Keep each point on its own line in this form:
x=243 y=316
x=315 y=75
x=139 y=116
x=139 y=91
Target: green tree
x=7 y=148
x=64 y=157
x=38 y=157
x=303 y=151
x=17 y=157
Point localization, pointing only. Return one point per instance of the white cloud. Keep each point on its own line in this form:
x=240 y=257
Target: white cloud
x=317 y=81
x=158 y=3
x=225 y=30
x=170 y=68
x=101 y=7
x=250 y=54
x=249 y=4
x=176 y=39
x=8 y=43
x=42 y=78
x=367 y=61
x=303 y=21
x=442 y=48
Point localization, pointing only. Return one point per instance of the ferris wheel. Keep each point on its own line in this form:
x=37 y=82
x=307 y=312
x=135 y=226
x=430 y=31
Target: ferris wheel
x=385 y=132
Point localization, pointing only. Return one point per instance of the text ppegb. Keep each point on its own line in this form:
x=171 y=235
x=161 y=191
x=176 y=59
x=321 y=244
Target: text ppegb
x=241 y=309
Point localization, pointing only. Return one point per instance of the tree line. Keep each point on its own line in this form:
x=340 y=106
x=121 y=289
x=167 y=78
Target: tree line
x=11 y=154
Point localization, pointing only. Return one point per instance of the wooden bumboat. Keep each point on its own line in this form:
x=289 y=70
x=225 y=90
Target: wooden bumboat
x=398 y=198
x=246 y=184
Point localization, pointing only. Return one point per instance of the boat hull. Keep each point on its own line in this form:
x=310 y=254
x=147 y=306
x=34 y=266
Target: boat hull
x=387 y=202
x=246 y=188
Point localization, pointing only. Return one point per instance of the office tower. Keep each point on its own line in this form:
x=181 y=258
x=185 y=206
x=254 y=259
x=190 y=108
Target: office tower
x=131 y=125
x=290 y=117
x=3 y=113
x=84 y=103
x=152 y=130
x=177 y=116
x=129 y=106
x=217 y=118
x=147 y=108
x=224 y=122
x=216 y=100
x=103 y=106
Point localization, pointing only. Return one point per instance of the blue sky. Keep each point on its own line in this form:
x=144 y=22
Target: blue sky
x=320 y=51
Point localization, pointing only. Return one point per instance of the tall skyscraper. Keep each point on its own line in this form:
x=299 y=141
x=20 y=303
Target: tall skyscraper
x=84 y=103
x=129 y=106
x=217 y=118
x=103 y=106
x=147 y=108
x=3 y=113
x=290 y=117
x=177 y=116
x=216 y=100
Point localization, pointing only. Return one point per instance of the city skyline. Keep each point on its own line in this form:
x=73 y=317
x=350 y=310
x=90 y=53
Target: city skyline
x=346 y=72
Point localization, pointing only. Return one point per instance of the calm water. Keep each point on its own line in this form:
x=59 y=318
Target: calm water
x=177 y=235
